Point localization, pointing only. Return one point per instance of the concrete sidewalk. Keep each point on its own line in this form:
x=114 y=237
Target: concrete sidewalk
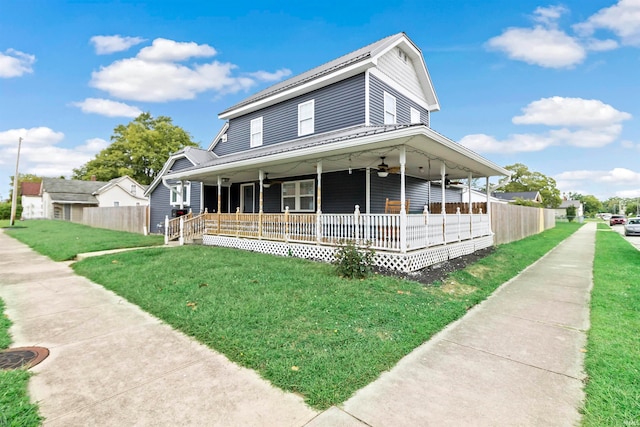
x=514 y=360
x=111 y=364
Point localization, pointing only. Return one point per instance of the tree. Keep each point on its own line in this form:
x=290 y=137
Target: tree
x=591 y=205
x=522 y=179
x=138 y=149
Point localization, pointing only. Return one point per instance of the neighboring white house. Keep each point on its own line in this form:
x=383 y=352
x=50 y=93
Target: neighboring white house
x=123 y=191
x=31 y=200
x=561 y=211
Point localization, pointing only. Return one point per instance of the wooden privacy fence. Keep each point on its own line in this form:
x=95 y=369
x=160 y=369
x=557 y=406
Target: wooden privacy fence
x=133 y=219
x=514 y=222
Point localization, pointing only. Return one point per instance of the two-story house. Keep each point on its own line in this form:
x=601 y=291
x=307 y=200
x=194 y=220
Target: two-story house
x=342 y=151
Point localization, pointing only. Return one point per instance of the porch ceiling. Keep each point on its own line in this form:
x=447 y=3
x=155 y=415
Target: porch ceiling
x=359 y=148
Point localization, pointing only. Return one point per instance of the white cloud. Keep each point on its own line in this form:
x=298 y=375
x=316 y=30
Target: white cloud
x=629 y=145
x=585 y=123
x=14 y=63
x=155 y=75
x=560 y=111
x=546 y=47
x=265 y=76
x=163 y=50
x=33 y=136
x=602 y=181
x=110 y=44
x=548 y=16
x=601 y=45
x=93 y=145
x=623 y=19
x=106 y=107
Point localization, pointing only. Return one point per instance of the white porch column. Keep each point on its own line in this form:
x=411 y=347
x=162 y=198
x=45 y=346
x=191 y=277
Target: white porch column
x=443 y=171
x=488 y=203
x=470 y=198
x=403 y=209
x=219 y=194
x=319 y=202
x=367 y=206
x=260 y=203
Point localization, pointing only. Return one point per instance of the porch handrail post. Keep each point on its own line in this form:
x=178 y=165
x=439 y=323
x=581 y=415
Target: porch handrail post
x=166 y=229
x=356 y=223
x=425 y=212
x=238 y=221
x=286 y=223
x=488 y=203
x=459 y=216
x=181 y=239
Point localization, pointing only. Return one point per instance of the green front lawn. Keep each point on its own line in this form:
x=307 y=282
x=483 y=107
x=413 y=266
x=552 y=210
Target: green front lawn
x=295 y=321
x=15 y=407
x=612 y=360
x=63 y=240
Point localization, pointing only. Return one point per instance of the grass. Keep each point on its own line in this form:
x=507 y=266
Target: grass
x=62 y=240
x=15 y=407
x=612 y=360
x=296 y=322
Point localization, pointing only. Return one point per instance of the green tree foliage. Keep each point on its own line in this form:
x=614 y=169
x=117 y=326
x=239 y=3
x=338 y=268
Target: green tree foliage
x=138 y=149
x=522 y=179
x=571 y=213
x=590 y=203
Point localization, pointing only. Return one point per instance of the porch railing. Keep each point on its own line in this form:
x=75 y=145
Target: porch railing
x=380 y=231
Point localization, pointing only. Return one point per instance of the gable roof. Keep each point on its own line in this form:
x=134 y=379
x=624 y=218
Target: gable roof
x=524 y=195
x=338 y=69
x=196 y=156
x=71 y=190
x=116 y=182
x=30 y=188
x=566 y=203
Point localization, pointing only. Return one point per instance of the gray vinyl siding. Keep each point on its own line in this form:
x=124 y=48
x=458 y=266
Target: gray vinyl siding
x=337 y=106
x=159 y=201
x=403 y=104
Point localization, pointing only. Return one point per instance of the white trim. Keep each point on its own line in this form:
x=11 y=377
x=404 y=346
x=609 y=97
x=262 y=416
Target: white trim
x=367 y=190
x=401 y=89
x=257 y=123
x=218 y=136
x=390 y=106
x=312 y=118
x=415 y=115
x=297 y=196
x=367 y=112
x=378 y=140
x=253 y=197
x=180 y=199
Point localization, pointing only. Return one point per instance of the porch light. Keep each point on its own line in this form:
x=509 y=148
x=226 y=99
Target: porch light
x=383 y=169
x=266 y=183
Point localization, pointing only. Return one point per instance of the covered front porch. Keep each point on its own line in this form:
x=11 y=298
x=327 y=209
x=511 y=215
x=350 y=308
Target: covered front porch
x=431 y=224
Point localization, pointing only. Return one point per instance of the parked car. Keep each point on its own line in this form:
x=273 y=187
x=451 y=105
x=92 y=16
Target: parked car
x=632 y=227
x=617 y=219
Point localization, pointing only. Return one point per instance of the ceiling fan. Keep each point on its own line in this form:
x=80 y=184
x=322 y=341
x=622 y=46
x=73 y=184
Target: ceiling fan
x=384 y=169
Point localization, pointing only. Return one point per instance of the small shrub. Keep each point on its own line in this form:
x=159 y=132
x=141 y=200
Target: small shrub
x=571 y=213
x=352 y=262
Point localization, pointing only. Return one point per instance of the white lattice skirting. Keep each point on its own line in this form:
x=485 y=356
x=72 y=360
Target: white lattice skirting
x=413 y=261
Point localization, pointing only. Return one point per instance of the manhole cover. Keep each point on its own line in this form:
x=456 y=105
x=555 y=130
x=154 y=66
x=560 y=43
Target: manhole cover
x=27 y=357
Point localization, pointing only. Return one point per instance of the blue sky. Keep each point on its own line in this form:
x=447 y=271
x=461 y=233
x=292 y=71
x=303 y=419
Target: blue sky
x=553 y=85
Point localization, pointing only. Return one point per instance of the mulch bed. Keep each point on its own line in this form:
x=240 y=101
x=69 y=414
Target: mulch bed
x=437 y=272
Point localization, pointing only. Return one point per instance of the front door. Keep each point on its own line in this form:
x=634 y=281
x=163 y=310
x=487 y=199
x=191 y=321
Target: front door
x=247 y=198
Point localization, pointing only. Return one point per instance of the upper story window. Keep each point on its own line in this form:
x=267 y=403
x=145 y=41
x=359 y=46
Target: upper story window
x=389 y=109
x=306 y=118
x=223 y=138
x=402 y=55
x=132 y=189
x=415 y=116
x=178 y=195
x=256 y=132
x=299 y=195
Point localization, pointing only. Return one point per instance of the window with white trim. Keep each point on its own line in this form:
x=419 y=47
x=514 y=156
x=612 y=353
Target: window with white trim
x=415 y=116
x=177 y=196
x=256 y=132
x=299 y=195
x=116 y=204
x=132 y=189
x=389 y=109
x=306 y=118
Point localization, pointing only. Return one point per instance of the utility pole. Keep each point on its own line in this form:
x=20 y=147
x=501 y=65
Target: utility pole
x=14 y=199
